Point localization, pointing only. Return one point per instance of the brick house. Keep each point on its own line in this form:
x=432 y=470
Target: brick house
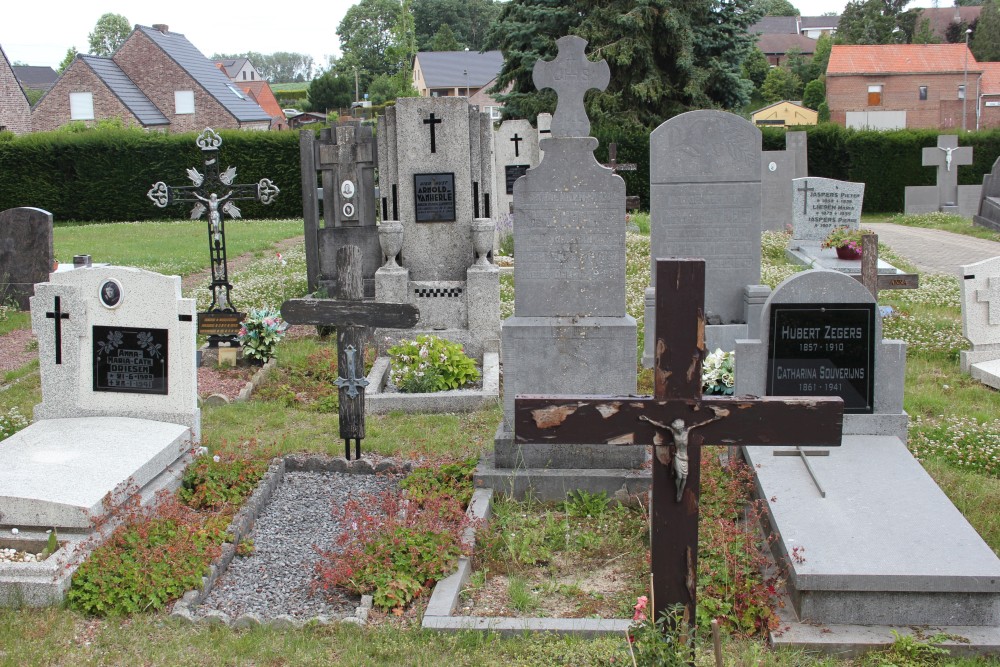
x=988 y=109
x=15 y=112
x=157 y=79
x=455 y=73
x=902 y=85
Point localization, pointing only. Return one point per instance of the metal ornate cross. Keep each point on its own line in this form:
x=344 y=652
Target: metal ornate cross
x=678 y=421
x=215 y=194
x=58 y=315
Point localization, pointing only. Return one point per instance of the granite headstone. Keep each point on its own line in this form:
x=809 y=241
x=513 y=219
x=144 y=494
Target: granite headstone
x=26 y=253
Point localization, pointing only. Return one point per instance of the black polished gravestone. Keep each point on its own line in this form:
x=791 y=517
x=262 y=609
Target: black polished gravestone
x=823 y=350
x=130 y=361
x=678 y=421
x=434 y=197
x=512 y=172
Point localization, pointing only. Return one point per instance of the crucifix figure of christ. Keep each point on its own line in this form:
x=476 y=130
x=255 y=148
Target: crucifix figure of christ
x=351 y=316
x=944 y=156
x=678 y=421
x=215 y=194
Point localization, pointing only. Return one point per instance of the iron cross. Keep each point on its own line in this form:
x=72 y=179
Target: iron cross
x=215 y=194
x=432 y=121
x=517 y=144
x=678 y=421
x=58 y=315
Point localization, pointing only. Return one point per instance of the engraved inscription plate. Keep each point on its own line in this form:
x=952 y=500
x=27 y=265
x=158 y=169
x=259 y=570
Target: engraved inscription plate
x=434 y=197
x=219 y=324
x=513 y=172
x=130 y=361
x=823 y=350
x=821 y=204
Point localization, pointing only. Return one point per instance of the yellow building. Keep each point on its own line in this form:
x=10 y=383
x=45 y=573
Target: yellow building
x=784 y=113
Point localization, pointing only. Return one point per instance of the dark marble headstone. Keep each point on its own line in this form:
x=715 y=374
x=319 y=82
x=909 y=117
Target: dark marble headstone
x=26 y=253
x=988 y=214
x=130 y=361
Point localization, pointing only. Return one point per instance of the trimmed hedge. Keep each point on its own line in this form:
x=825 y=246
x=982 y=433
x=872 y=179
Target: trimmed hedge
x=104 y=174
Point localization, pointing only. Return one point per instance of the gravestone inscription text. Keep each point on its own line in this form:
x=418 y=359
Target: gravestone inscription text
x=434 y=197
x=823 y=350
x=512 y=173
x=132 y=361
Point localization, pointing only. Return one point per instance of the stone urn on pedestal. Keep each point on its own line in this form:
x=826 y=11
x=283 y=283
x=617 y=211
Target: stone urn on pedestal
x=390 y=237
x=482 y=240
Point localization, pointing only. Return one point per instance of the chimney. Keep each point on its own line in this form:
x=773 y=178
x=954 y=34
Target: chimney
x=162 y=27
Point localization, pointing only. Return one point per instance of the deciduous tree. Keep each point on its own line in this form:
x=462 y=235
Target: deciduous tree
x=814 y=94
x=985 y=42
x=444 y=39
x=781 y=84
x=330 y=91
x=110 y=32
x=67 y=60
x=776 y=8
x=366 y=35
x=469 y=21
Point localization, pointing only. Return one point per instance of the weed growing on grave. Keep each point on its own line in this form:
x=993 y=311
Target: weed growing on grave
x=936 y=290
x=663 y=642
x=395 y=549
x=731 y=587
x=774 y=267
x=266 y=283
x=150 y=560
x=908 y=651
x=926 y=334
x=580 y=503
x=225 y=479
x=429 y=364
x=440 y=480
x=505 y=232
x=963 y=442
x=506 y=295
x=11 y=422
x=636 y=280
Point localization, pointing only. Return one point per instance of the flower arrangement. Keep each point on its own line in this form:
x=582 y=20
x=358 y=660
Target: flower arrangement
x=664 y=642
x=260 y=332
x=429 y=364
x=845 y=237
x=718 y=374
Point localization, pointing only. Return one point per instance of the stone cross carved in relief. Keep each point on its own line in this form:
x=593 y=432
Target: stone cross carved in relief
x=678 y=420
x=571 y=75
x=215 y=194
x=947 y=157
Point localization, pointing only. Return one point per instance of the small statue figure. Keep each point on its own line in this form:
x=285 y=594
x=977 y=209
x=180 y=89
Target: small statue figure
x=679 y=433
x=947 y=155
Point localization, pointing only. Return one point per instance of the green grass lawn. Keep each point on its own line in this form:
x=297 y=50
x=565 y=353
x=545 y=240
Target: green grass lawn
x=938 y=396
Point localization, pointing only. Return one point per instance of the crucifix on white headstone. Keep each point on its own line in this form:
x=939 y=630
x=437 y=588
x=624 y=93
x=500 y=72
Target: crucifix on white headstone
x=947 y=156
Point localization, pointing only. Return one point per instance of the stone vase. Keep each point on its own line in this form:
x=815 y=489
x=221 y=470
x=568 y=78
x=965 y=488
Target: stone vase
x=482 y=239
x=390 y=237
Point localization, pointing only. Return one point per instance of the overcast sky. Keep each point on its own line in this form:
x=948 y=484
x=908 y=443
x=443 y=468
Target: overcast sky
x=41 y=34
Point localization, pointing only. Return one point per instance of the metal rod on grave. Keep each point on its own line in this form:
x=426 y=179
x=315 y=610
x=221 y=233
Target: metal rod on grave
x=351 y=411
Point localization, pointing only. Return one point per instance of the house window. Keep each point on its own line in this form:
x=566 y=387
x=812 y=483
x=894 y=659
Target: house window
x=183 y=101
x=235 y=92
x=244 y=76
x=961 y=92
x=81 y=106
x=875 y=96
x=252 y=75
x=494 y=112
x=923 y=92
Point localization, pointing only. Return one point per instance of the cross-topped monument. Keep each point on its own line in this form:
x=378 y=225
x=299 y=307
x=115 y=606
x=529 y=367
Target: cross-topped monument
x=58 y=315
x=215 y=194
x=678 y=421
x=566 y=75
x=351 y=316
x=947 y=157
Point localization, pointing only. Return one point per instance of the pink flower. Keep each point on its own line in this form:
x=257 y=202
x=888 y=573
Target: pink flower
x=640 y=608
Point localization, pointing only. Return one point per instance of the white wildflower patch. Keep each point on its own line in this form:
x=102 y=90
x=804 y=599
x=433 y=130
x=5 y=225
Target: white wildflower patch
x=266 y=283
x=961 y=441
x=11 y=422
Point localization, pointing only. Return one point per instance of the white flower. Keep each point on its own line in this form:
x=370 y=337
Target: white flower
x=201 y=451
x=216 y=458
x=14 y=531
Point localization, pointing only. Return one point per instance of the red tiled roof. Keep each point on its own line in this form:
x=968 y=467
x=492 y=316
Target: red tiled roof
x=900 y=59
x=991 y=78
x=261 y=92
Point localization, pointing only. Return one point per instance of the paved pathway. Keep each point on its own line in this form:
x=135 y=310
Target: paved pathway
x=932 y=250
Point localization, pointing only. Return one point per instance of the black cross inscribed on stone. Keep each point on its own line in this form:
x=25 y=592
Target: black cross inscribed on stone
x=678 y=420
x=517 y=144
x=432 y=121
x=58 y=316
x=805 y=190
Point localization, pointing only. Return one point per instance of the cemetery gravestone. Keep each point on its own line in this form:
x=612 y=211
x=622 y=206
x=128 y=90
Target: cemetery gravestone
x=988 y=214
x=515 y=150
x=26 y=253
x=570 y=332
x=436 y=183
x=947 y=196
x=116 y=350
x=797 y=146
x=678 y=421
x=980 y=290
x=820 y=205
x=346 y=158
x=705 y=201
x=776 y=175
x=821 y=332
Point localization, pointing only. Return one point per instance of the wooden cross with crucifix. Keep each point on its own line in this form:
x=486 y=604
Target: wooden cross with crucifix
x=215 y=194
x=351 y=316
x=678 y=421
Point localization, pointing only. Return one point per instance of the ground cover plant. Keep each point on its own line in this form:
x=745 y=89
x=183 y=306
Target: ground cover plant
x=935 y=391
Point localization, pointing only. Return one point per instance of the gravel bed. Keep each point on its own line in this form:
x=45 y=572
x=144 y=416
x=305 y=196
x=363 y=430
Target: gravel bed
x=277 y=579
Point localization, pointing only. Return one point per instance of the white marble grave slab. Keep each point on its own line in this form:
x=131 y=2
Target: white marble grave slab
x=56 y=472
